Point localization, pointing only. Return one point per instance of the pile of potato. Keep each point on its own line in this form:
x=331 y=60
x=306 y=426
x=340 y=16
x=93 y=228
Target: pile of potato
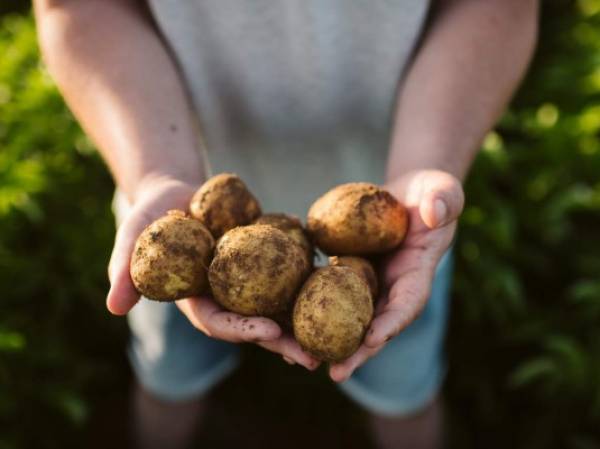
x=262 y=265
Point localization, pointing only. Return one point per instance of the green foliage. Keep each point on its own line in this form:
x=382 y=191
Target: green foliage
x=525 y=336
x=14 y=6
x=525 y=339
x=56 y=231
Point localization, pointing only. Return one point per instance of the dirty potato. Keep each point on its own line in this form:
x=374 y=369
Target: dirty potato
x=224 y=202
x=293 y=228
x=357 y=219
x=332 y=313
x=361 y=266
x=171 y=257
x=257 y=270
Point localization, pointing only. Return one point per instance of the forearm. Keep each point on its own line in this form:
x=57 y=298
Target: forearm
x=472 y=58
x=121 y=84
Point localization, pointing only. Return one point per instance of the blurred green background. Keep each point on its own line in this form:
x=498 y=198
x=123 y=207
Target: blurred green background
x=524 y=344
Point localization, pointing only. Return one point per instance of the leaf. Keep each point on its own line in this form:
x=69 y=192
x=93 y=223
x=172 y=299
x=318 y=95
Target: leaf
x=534 y=370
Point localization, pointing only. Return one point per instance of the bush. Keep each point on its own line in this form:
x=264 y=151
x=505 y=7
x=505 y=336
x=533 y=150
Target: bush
x=55 y=220
x=525 y=337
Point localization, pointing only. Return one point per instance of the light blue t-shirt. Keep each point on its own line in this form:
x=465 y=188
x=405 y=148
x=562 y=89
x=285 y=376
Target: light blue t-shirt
x=295 y=96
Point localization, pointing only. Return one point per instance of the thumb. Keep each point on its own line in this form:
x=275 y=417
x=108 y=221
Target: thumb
x=122 y=295
x=442 y=198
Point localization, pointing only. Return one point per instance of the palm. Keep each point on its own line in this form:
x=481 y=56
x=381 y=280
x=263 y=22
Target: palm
x=407 y=275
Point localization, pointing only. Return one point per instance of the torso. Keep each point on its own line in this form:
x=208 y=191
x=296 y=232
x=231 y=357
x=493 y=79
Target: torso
x=294 y=96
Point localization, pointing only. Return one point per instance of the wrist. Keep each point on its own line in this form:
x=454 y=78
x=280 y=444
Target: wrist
x=153 y=182
x=399 y=178
x=432 y=152
x=401 y=167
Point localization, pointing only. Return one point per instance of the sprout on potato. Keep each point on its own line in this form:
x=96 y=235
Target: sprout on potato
x=361 y=266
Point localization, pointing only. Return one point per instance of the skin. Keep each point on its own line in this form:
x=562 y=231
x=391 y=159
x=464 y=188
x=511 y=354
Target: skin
x=472 y=57
x=177 y=421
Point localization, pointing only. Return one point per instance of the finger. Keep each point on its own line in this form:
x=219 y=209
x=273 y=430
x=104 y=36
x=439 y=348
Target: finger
x=406 y=300
x=208 y=317
x=340 y=372
x=122 y=295
x=289 y=348
x=415 y=262
x=442 y=199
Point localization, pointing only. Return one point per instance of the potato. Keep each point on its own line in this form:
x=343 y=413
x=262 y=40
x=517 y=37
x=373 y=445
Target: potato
x=332 y=313
x=293 y=228
x=257 y=270
x=224 y=202
x=357 y=219
x=171 y=257
x=361 y=266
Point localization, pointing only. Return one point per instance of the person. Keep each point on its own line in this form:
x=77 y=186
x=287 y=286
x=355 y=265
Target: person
x=295 y=97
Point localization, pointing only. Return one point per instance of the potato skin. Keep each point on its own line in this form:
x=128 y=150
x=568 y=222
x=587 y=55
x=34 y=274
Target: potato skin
x=293 y=228
x=332 y=313
x=362 y=267
x=223 y=203
x=256 y=271
x=171 y=257
x=357 y=219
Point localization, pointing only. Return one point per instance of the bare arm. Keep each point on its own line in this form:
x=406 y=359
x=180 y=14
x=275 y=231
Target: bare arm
x=471 y=60
x=119 y=80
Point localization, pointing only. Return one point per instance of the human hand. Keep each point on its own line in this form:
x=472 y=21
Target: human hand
x=434 y=200
x=156 y=198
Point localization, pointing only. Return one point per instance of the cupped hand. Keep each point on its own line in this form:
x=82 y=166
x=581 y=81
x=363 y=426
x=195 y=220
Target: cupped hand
x=434 y=200
x=203 y=312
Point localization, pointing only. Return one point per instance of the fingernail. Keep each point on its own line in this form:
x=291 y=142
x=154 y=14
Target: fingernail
x=288 y=360
x=441 y=212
